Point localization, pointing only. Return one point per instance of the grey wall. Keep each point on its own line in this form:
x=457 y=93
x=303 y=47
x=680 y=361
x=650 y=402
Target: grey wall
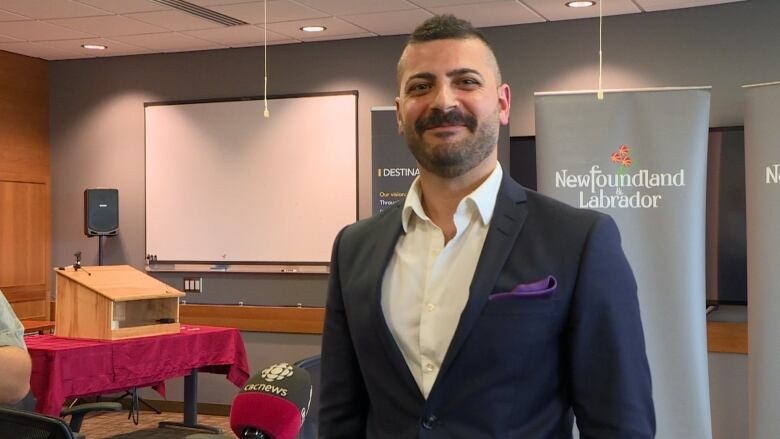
x=97 y=119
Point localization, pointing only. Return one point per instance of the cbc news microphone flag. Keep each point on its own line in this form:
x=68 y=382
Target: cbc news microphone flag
x=762 y=183
x=641 y=157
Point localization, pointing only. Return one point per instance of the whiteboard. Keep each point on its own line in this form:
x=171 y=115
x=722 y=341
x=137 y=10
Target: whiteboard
x=226 y=185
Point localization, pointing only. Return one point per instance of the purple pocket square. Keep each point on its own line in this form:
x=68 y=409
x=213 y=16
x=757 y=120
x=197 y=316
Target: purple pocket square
x=541 y=289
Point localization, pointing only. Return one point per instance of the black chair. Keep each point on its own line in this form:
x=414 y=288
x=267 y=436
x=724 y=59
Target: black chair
x=19 y=422
x=312 y=365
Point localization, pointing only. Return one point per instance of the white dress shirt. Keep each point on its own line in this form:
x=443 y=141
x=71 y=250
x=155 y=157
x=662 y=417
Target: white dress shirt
x=426 y=284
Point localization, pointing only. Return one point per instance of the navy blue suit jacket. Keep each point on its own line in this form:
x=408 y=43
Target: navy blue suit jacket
x=518 y=367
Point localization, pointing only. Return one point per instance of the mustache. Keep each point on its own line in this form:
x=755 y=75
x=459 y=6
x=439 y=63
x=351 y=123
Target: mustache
x=440 y=118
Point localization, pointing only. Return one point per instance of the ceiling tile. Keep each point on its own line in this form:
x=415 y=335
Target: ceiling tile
x=43 y=9
x=120 y=52
x=659 y=5
x=125 y=6
x=270 y=43
x=38 y=51
x=218 y=2
x=114 y=47
x=236 y=35
x=343 y=37
x=334 y=27
x=169 y=42
x=108 y=26
x=5 y=39
x=278 y=10
x=491 y=14
x=9 y=16
x=390 y=23
x=38 y=31
x=557 y=10
x=341 y=7
x=174 y=20
x=436 y=3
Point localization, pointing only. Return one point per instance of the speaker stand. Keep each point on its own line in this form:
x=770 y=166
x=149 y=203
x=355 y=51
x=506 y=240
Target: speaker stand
x=101 y=243
x=133 y=394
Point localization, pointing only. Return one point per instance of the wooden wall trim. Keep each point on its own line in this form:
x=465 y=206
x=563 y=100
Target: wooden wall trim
x=23 y=177
x=727 y=337
x=292 y=320
x=169 y=406
x=721 y=336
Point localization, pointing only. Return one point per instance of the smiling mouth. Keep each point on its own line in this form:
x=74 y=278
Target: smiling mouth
x=446 y=127
x=445 y=132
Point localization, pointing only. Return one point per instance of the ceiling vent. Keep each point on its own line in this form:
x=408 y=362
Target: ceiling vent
x=200 y=11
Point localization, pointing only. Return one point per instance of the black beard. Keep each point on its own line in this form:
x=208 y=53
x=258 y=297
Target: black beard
x=453 y=159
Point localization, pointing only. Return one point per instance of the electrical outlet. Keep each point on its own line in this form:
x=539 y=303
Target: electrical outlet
x=193 y=284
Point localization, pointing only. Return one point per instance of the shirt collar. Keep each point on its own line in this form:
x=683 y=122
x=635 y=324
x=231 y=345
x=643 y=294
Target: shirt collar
x=483 y=197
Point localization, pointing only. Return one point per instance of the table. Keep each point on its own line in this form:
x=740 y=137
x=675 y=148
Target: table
x=38 y=326
x=66 y=368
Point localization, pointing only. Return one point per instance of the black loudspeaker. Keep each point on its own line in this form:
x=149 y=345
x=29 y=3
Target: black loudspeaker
x=101 y=212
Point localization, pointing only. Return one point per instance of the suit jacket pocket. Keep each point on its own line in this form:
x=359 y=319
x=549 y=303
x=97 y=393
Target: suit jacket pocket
x=521 y=307
x=541 y=289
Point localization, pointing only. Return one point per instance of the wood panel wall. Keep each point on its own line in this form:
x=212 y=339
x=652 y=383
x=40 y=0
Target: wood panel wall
x=25 y=185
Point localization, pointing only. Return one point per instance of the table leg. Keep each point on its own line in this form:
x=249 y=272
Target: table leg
x=191 y=406
x=191 y=398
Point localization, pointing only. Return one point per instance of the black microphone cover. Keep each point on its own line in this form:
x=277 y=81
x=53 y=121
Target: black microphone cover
x=274 y=401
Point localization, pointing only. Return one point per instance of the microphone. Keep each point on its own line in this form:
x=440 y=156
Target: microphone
x=273 y=404
x=77 y=264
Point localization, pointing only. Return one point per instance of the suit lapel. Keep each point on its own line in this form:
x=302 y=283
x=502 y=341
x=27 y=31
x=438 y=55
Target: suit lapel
x=508 y=217
x=384 y=246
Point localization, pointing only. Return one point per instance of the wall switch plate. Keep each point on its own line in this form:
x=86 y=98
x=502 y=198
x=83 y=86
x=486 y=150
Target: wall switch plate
x=193 y=284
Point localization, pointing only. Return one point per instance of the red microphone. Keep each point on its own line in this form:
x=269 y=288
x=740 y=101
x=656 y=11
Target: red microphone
x=273 y=404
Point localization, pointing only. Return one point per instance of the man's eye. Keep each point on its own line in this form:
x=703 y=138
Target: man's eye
x=469 y=82
x=418 y=88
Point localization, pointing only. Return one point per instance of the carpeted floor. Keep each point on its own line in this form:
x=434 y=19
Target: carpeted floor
x=108 y=425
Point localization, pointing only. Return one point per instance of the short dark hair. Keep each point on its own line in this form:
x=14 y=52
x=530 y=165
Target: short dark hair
x=447 y=27
x=444 y=27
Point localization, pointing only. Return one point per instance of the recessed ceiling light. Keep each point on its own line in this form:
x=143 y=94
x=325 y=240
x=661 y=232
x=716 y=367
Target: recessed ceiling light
x=94 y=46
x=580 y=4
x=313 y=28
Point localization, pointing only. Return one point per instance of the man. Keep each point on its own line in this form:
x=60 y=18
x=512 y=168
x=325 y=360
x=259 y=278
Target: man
x=477 y=309
x=15 y=363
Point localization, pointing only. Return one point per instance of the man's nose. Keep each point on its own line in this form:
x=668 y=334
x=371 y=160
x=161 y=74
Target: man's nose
x=444 y=99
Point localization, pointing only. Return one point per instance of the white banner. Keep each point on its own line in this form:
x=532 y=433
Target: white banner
x=641 y=157
x=762 y=185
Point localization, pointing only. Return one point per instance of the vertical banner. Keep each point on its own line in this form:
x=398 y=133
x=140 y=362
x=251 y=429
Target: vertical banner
x=394 y=167
x=641 y=157
x=762 y=202
x=393 y=164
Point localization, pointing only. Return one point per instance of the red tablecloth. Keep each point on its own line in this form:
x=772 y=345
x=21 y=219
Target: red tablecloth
x=66 y=367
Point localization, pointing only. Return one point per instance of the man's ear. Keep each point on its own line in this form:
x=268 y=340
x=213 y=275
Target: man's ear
x=398 y=119
x=504 y=102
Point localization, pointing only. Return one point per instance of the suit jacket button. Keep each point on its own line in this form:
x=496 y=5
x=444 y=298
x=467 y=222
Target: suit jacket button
x=429 y=423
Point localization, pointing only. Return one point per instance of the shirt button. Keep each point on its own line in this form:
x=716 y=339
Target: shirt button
x=429 y=423
x=430 y=307
x=429 y=367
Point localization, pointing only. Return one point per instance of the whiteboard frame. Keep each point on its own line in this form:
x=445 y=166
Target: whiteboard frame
x=283 y=267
